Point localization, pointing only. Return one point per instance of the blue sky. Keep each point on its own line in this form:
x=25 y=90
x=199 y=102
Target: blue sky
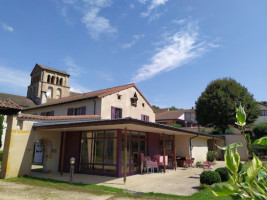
x=171 y=49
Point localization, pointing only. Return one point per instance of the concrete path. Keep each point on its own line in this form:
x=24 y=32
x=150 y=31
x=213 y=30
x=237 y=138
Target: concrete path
x=180 y=182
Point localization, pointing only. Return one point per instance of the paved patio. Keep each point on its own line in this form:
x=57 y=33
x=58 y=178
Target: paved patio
x=180 y=182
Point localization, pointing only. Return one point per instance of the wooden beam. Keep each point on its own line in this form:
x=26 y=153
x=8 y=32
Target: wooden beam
x=125 y=155
x=164 y=153
x=62 y=153
x=174 y=153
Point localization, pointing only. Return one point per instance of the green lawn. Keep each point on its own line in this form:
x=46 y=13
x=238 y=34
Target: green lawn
x=203 y=193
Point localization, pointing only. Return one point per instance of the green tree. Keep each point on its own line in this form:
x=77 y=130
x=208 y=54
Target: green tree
x=173 y=108
x=155 y=107
x=1 y=128
x=216 y=105
x=263 y=102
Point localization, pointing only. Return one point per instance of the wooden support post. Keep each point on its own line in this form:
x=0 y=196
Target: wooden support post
x=62 y=153
x=164 y=154
x=125 y=155
x=174 y=153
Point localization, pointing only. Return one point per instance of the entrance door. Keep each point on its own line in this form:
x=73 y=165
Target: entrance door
x=137 y=146
x=38 y=152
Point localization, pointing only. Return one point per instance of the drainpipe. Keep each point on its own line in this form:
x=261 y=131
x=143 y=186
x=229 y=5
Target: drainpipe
x=191 y=144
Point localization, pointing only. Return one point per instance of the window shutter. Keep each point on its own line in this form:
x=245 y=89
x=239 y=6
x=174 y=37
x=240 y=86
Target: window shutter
x=70 y=111
x=52 y=113
x=83 y=110
x=43 y=114
x=147 y=118
x=142 y=117
x=113 y=109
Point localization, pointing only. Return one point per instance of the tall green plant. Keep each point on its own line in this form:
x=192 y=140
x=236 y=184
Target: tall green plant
x=250 y=184
x=1 y=129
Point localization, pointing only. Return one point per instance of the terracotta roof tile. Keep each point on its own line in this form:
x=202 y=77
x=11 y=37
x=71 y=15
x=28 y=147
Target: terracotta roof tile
x=90 y=95
x=52 y=69
x=20 y=100
x=8 y=104
x=57 y=118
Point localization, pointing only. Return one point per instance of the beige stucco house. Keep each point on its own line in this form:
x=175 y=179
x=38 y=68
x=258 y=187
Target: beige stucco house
x=263 y=116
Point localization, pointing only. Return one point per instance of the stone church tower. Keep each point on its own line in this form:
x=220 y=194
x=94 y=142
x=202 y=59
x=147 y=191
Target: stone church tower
x=47 y=84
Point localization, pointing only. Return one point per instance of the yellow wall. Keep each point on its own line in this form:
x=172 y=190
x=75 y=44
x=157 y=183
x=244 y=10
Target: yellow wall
x=19 y=147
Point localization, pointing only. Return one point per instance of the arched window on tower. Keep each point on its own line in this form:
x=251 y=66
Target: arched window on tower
x=57 y=81
x=61 y=81
x=58 y=94
x=53 y=80
x=48 y=79
x=50 y=92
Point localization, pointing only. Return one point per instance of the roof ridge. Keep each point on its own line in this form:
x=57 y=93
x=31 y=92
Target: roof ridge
x=84 y=95
x=14 y=95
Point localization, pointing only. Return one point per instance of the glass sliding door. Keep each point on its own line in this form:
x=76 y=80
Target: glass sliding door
x=136 y=144
x=169 y=149
x=98 y=152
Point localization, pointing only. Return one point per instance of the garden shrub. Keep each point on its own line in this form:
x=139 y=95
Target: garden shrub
x=212 y=155
x=223 y=172
x=240 y=167
x=260 y=130
x=210 y=177
x=177 y=125
x=259 y=150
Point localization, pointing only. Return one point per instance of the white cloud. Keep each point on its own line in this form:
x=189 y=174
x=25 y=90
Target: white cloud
x=143 y=1
x=14 y=80
x=178 y=49
x=179 y=21
x=96 y=24
x=76 y=87
x=134 y=40
x=90 y=9
x=106 y=76
x=152 y=6
x=7 y=27
x=73 y=68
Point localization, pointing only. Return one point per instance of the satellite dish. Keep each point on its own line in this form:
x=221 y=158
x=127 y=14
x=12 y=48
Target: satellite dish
x=48 y=94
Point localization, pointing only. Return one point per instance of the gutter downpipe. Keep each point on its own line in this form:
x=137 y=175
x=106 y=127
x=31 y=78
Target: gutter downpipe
x=191 y=144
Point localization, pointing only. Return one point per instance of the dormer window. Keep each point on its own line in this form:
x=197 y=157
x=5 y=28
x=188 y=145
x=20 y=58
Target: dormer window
x=134 y=100
x=119 y=96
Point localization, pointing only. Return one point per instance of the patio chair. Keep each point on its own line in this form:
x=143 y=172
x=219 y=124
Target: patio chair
x=207 y=165
x=189 y=162
x=160 y=164
x=149 y=164
x=142 y=162
x=155 y=166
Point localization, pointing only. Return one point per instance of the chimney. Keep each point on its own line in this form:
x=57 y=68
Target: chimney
x=43 y=97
